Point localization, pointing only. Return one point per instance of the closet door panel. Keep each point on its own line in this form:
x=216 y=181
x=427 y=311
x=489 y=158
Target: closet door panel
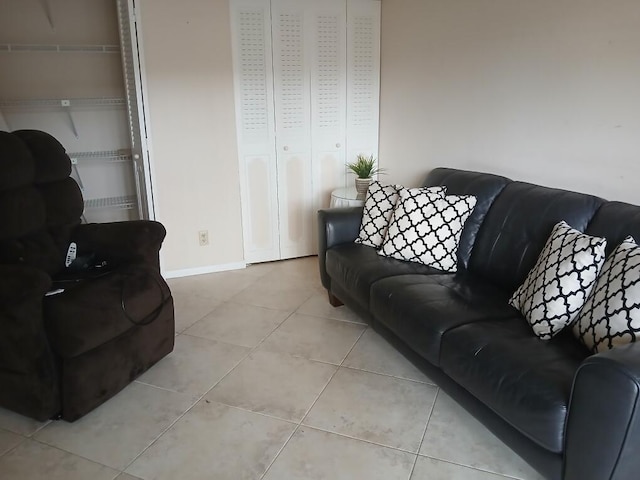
x=293 y=192
x=253 y=76
x=328 y=97
x=293 y=127
x=307 y=82
x=363 y=77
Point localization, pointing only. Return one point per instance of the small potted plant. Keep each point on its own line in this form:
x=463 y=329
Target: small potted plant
x=365 y=168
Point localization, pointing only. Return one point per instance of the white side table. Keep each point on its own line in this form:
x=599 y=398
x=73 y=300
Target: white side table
x=345 y=197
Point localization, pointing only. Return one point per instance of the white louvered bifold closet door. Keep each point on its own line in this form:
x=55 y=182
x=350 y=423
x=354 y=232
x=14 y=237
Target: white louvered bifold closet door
x=328 y=101
x=292 y=68
x=292 y=88
x=255 y=120
x=363 y=77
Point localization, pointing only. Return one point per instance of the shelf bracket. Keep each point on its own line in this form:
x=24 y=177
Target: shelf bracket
x=47 y=11
x=66 y=105
x=74 y=167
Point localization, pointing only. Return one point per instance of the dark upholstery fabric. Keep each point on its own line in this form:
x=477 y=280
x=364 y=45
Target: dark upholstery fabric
x=97 y=375
x=51 y=160
x=29 y=377
x=421 y=308
x=63 y=201
x=122 y=242
x=36 y=249
x=355 y=267
x=485 y=187
x=37 y=211
x=615 y=221
x=90 y=313
x=22 y=211
x=517 y=227
x=523 y=379
x=71 y=351
x=16 y=163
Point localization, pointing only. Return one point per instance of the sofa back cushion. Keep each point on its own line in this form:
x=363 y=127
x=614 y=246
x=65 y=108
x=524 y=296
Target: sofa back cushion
x=615 y=221
x=484 y=186
x=517 y=226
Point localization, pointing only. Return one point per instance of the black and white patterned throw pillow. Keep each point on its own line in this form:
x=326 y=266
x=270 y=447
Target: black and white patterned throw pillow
x=426 y=228
x=611 y=316
x=560 y=282
x=378 y=207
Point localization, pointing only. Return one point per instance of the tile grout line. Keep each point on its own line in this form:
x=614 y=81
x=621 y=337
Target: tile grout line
x=56 y=447
x=277 y=455
x=469 y=467
x=424 y=433
x=413 y=380
x=312 y=405
x=350 y=437
x=23 y=439
x=315 y=315
x=199 y=399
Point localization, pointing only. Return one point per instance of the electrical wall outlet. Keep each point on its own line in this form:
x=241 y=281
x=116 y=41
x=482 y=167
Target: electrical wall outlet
x=203 y=237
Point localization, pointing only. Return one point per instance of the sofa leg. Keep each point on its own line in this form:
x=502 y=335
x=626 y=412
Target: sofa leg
x=334 y=301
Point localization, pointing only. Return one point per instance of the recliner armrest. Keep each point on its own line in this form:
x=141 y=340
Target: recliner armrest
x=120 y=242
x=603 y=426
x=336 y=226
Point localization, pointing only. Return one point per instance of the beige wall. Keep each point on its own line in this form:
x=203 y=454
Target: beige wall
x=189 y=79
x=546 y=91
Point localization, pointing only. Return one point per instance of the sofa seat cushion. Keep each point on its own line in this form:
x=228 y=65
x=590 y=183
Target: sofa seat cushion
x=356 y=267
x=420 y=309
x=523 y=379
x=89 y=313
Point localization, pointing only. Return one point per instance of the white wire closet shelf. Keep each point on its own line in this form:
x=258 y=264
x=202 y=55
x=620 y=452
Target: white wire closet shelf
x=41 y=47
x=62 y=102
x=101 y=155
x=124 y=202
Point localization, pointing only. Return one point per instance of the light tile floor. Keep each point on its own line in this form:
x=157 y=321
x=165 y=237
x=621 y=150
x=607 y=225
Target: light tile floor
x=267 y=381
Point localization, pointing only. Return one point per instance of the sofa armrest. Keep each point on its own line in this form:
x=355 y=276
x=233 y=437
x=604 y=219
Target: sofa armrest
x=336 y=226
x=603 y=426
x=122 y=242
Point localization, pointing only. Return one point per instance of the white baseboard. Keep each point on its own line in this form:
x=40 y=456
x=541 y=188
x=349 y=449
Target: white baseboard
x=187 y=272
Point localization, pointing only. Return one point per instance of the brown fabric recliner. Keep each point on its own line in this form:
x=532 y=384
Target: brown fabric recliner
x=64 y=354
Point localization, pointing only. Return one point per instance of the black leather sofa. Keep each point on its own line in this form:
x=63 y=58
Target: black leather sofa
x=570 y=414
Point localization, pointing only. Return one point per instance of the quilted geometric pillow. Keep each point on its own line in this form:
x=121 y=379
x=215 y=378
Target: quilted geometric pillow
x=611 y=315
x=378 y=208
x=558 y=285
x=426 y=227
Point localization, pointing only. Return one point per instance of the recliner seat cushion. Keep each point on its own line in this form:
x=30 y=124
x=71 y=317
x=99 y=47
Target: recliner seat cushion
x=356 y=267
x=89 y=313
x=523 y=379
x=420 y=309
